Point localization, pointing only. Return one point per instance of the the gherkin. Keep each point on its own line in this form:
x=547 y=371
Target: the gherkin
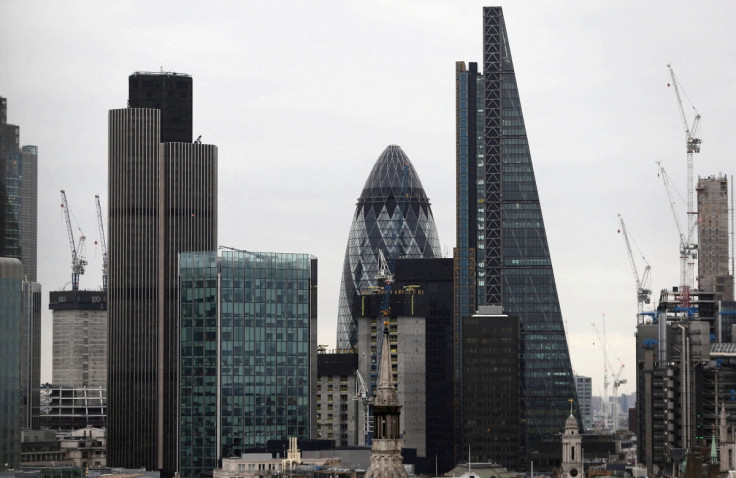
x=382 y=221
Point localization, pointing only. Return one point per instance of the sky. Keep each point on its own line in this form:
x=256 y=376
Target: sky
x=302 y=97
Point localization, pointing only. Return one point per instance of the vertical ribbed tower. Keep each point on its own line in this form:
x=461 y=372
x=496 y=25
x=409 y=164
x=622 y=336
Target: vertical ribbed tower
x=162 y=201
x=378 y=224
x=502 y=256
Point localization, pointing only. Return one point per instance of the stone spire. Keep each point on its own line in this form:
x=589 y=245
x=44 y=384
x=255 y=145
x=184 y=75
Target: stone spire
x=386 y=460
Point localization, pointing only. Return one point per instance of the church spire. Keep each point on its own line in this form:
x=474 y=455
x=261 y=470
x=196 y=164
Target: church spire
x=386 y=459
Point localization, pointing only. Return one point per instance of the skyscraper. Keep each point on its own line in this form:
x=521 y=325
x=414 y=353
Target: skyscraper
x=18 y=196
x=162 y=201
x=11 y=273
x=248 y=351
x=713 y=254
x=378 y=224
x=18 y=239
x=502 y=256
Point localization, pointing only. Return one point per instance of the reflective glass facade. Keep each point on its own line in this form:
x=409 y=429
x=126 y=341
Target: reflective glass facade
x=501 y=232
x=379 y=224
x=11 y=303
x=247 y=353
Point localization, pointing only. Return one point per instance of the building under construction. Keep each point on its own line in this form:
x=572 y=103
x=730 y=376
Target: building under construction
x=713 y=257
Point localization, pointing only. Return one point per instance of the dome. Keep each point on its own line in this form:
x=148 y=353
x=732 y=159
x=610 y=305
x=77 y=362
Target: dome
x=571 y=422
x=379 y=223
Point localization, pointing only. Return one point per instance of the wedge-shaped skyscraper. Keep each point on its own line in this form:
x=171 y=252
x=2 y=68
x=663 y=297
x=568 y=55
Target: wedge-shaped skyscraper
x=502 y=256
x=400 y=227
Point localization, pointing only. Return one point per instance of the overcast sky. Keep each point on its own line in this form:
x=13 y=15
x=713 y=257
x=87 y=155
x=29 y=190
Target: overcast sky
x=302 y=97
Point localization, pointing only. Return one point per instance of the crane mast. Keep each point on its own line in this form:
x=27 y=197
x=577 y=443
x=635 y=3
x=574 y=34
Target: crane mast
x=692 y=145
x=78 y=261
x=643 y=292
x=103 y=246
x=688 y=250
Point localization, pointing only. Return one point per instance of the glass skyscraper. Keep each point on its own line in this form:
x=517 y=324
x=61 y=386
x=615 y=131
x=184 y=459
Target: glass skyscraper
x=19 y=239
x=502 y=256
x=378 y=224
x=11 y=304
x=248 y=353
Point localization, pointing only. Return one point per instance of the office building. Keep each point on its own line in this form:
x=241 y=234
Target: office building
x=162 y=201
x=11 y=309
x=393 y=214
x=337 y=407
x=18 y=239
x=419 y=345
x=491 y=413
x=19 y=191
x=685 y=373
x=80 y=338
x=713 y=252
x=248 y=353
x=30 y=374
x=584 y=389
x=502 y=257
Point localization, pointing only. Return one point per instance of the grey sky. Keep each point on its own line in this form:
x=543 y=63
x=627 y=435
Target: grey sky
x=302 y=97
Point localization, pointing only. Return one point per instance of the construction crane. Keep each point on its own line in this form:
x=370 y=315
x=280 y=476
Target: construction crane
x=102 y=242
x=643 y=289
x=692 y=145
x=608 y=373
x=688 y=249
x=618 y=381
x=605 y=363
x=78 y=261
x=363 y=394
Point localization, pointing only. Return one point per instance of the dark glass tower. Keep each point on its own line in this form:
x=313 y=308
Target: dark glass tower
x=379 y=224
x=18 y=239
x=502 y=256
x=163 y=201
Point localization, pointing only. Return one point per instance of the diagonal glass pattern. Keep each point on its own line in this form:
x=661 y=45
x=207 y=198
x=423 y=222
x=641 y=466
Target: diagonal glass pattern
x=379 y=224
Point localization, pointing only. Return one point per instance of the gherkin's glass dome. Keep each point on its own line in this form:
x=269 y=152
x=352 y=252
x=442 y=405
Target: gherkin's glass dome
x=379 y=224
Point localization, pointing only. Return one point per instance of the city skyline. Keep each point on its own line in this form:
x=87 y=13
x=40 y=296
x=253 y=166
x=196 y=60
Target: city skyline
x=308 y=125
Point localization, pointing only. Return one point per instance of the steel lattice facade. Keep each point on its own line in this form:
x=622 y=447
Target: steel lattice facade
x=502 y=256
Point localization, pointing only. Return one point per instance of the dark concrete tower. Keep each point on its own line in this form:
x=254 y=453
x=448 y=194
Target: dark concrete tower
x=162 y=201
x=170 y=93
x=508 y=261
x=713 y=254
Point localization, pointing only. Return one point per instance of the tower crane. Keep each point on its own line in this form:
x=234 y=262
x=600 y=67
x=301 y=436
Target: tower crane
x=688 y=249
x=608 y=374
x=643 y=289
x=692 y=145
x=102 y=242
x=618 y=381
x=78 y=261
x=605 y=360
